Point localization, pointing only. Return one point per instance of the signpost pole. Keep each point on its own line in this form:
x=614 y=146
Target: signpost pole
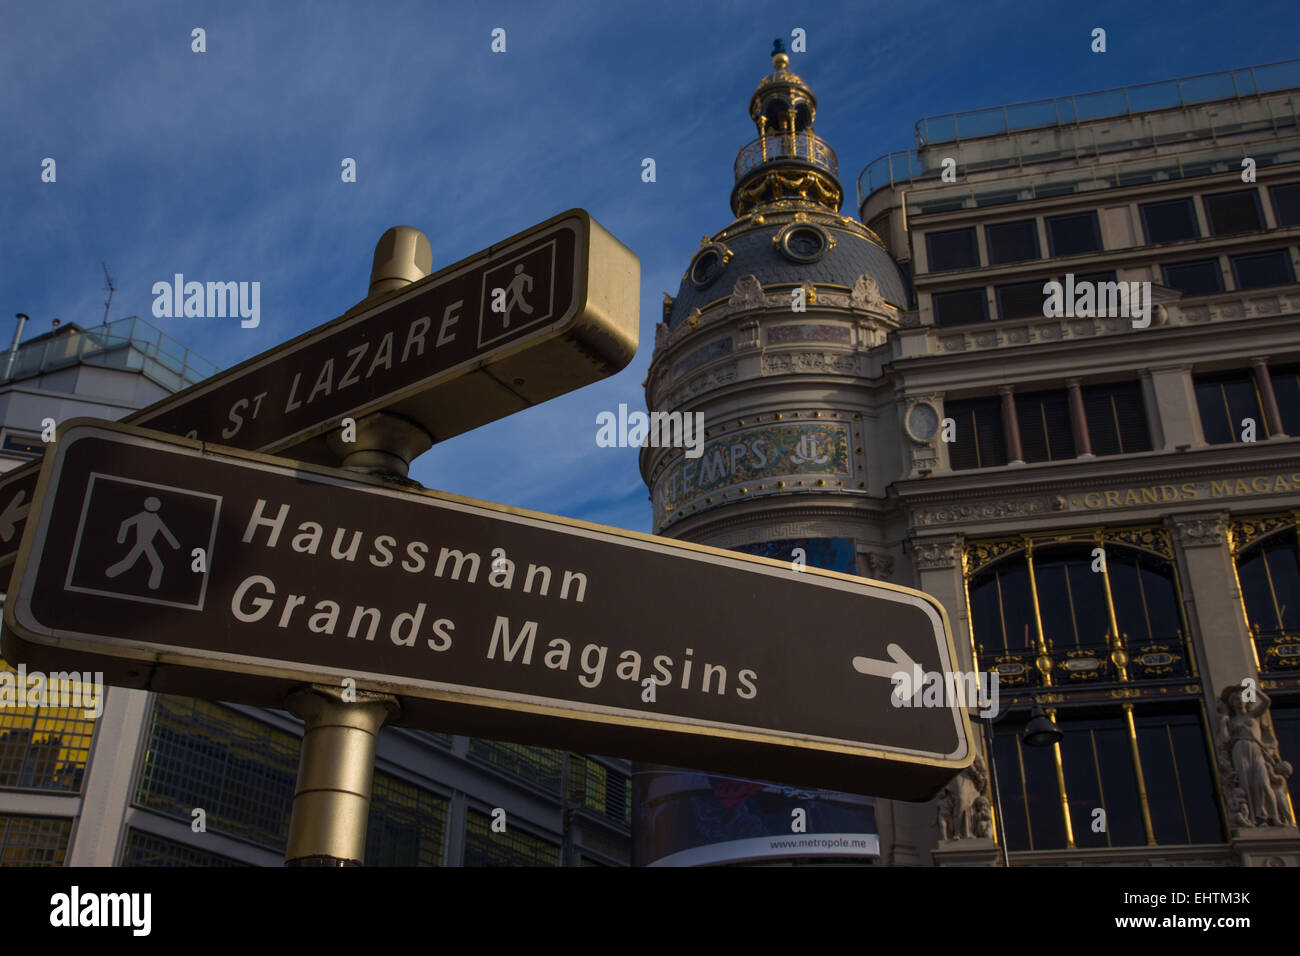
x=336 y=769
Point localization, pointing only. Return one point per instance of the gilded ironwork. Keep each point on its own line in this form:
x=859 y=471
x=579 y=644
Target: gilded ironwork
x=807 y=147
x=1154 y=539
x=980 y=554
x=1011 y=671
x=1280 y=649
x=1158 y=653
x=1151 y=538
x=1246 y=530
x=1158 y=660
x=1082 y=665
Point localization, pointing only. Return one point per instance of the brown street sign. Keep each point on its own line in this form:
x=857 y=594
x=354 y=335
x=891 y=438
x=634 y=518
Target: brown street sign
x=204 y=571
x=545 y=312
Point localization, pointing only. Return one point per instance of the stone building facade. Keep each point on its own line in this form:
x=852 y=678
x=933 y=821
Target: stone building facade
x=1105 y=496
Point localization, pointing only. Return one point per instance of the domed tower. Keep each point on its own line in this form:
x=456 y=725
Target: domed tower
x=774 y=336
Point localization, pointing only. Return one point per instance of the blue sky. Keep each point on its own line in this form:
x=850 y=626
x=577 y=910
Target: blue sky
x=225 y=165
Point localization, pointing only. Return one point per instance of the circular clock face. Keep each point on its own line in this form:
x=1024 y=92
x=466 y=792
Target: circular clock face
x=922 y=421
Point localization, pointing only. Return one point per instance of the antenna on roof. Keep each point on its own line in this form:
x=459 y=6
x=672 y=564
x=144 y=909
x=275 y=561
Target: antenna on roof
x=111 y=288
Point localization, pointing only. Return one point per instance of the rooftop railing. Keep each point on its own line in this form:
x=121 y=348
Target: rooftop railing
x=1214 y=160
x=808 y=147
x=1259 y=83
x=129 y=343
x=1249 y=82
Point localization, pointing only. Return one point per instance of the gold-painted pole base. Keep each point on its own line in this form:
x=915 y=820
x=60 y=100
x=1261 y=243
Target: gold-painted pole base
x=331 y=803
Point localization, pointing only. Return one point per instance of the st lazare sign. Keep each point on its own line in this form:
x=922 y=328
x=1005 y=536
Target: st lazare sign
x=436 y=352
x=179 y=560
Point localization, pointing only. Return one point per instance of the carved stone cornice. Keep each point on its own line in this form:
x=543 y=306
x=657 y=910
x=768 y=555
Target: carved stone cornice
x=788 y=363
x=1200 y=530
x=935 y=554
x=1016 y=507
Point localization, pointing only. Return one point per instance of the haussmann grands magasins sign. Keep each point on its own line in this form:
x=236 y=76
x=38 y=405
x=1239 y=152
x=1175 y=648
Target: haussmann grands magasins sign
x=482 y=619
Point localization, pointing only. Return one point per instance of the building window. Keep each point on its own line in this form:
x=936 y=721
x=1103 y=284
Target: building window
x=1147 y=611
x=960 y=308
x=1170 y=221
x=514 y=847
x=43 y=748
x=1117 y=421
x=1269 y=573
x=1073 y=235
x=1031 y=802
x=537 y=765
x=1180 y=784
x=1099 y=772
x=146 y=849
x=1073 y=613
x=1098 y=767
x=1285 y=713
x=1286 y=204
x=34 y=841
x=1072 y=600
x=23 y=444
x=979 y=441
x=241 y=771
x=955 y=249
x=1203 y=277
x=602 y=790
x=1225 y=401
x=407 y=824
x=1021 y=300
x=1012 y=241
x=1045 y=431
x=1259 y=269
x=1237 y=211
x=1286 y=388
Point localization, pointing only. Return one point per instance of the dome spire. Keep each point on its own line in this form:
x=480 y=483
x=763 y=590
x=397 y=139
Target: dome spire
x=788 y=161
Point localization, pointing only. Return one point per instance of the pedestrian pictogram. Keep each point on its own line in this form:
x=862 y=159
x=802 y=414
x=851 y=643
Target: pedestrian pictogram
x=148 y=525
x=161 y=524
x=520 y=293
x=514 y=293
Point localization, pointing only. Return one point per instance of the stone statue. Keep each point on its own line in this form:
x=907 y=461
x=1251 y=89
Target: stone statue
x=1254 y=773
x=964 y=811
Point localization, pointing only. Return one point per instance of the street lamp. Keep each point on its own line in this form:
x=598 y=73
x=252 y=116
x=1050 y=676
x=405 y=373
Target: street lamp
x=1041 y=731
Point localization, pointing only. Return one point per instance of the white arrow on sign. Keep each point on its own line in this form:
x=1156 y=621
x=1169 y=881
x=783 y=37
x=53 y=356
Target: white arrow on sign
x=902 y=663
x=13 y=514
